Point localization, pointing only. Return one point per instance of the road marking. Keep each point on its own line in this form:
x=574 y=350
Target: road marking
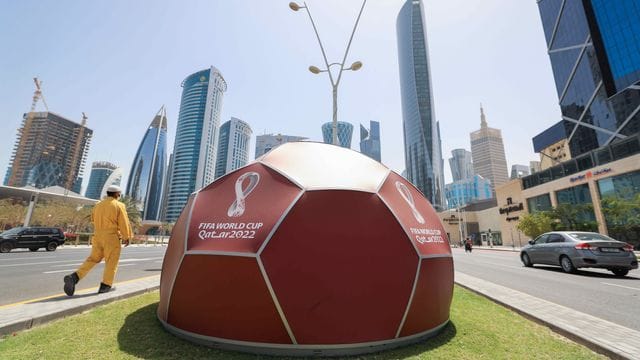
x=491 y=264
x=76 y=264
x=145 y=259
x=40 y=263
x=622 y=286
x=31 y=258
x=87 y=290
x=72 y=260
x=69 y=270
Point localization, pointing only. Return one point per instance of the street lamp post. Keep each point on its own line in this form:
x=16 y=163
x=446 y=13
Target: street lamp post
x=335 y=81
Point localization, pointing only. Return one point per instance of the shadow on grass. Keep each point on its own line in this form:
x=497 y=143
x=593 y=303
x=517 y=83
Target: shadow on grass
x=143 y=336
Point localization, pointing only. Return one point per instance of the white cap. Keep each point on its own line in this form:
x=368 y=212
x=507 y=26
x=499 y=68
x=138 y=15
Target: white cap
x=114 y=188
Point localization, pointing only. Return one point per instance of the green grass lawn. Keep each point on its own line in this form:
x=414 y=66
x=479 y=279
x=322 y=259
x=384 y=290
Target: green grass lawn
x=128 y=329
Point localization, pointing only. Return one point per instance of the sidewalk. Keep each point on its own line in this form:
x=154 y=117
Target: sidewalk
x=23 y=316
x=613 y=340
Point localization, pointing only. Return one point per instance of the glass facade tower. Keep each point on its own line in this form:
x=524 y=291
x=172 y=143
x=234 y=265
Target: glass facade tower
x=422 y=145
x=196 y=144
x=268 y=142
x=103 y=174
x=370 y=140
x=463 y=192
x=233 y=149
x=345 y=133
x=594 y=47
x=146 y=179
x=461 y=164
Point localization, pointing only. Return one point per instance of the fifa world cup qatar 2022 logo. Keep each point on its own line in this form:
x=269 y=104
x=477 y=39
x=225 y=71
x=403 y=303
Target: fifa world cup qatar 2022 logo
x=238 y=206
x=406 y=195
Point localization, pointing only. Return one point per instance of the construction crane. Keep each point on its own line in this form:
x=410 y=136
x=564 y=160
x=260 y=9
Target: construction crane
x=77 y=152
x=37 y=94
x=24 y=129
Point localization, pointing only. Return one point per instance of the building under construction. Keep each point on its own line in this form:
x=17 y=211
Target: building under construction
x=50 y=151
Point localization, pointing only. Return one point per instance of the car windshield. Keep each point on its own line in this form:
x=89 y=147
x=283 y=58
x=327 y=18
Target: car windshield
x=589 y=236
x=13 y=231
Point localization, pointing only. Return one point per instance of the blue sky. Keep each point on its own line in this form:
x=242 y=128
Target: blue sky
x=119 y=61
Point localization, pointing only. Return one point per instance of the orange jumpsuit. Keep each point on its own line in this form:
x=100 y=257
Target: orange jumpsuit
x=110 y=224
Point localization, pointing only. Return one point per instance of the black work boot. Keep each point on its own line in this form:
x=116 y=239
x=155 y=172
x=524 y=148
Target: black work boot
x=70 y=282
x=104 y=288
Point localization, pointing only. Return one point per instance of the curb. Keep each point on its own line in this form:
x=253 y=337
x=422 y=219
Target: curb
x=29 y=322
x=593 y=344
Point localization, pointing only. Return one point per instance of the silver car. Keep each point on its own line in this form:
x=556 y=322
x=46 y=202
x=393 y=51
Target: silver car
x=575 y=249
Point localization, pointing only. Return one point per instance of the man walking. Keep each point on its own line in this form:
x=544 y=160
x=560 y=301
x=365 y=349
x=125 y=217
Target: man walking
x=110 y=224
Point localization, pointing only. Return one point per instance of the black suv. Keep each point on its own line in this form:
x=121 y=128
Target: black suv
x=32 y=238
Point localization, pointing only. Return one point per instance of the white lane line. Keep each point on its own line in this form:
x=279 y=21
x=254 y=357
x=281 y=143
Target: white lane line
x=145 y=259
x=40 y=263
x=490 y=264
x=122 y=261
x=63 y=265
x=69 y=270
x=31 y=258
x=622 y=286
x=72 y=260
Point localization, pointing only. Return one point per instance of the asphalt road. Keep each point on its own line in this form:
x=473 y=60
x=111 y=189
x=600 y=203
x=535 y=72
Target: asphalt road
x=28 y=275
x=593 y=291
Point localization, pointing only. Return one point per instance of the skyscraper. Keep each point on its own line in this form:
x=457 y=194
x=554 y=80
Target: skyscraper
x=196 y=144
x=345 y=133
x=422 y=146
x=267 y=142
x=487 y=152
x=461 y=164
x=103 y=175
x=370 y=140
x=518 y=171
x=165 y=190
x=147 y=176
x=50 y=151
x=233 y=149
x=534 y=167
x=594 y=47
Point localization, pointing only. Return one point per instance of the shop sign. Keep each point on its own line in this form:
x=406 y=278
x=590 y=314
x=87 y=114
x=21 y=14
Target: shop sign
x=590 y=174
x=451 y=220
x=511 y=208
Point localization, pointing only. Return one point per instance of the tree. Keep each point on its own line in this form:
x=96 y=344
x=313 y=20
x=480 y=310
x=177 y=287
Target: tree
x=135 y=216
x=622 y=215
x=573 y=217
x=11 y=213
x=536 y=224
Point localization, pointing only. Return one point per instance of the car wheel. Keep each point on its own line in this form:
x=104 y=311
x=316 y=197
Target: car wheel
x=5 y=247
x=620 y=272
x=52 y=245
x=567 y=265
x=526 y=260
x=33 y=249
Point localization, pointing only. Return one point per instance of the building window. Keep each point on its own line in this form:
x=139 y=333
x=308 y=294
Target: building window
x=539 y=203
x=620 y=200
x=575 y=203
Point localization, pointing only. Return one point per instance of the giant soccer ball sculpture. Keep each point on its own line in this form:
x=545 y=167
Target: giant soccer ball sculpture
x=312 y=249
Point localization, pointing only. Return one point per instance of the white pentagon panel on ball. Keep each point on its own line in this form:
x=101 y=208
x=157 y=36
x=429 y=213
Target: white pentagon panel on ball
x=316 y=166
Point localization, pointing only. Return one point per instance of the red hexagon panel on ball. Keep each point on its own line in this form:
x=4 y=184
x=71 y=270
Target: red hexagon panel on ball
x=313 y=249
